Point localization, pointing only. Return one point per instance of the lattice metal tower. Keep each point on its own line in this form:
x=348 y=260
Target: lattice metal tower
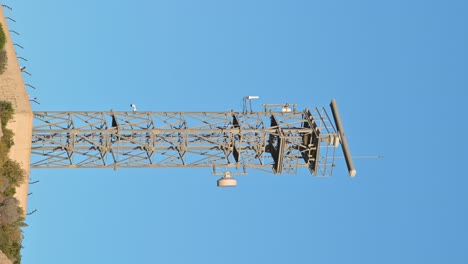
x=278 y=139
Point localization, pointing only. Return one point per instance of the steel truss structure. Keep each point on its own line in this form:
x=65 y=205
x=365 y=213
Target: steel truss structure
x=274 y=140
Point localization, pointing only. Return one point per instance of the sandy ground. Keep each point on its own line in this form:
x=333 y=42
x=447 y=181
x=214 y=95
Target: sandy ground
x=12 y=89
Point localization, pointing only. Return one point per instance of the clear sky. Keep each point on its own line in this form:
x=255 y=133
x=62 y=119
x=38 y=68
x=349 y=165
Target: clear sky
x=397 y=68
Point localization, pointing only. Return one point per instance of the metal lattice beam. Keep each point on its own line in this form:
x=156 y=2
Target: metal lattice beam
x=273 y=141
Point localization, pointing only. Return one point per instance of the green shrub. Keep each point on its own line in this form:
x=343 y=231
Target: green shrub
x=2 y=37
x=6 y=112
x=11 y=238
x=11 y=249
x=11 y=170
x=6 y=141
x=3 y=61
x=10 y=191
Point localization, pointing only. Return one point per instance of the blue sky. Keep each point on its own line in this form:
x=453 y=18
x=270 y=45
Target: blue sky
x=397 y=69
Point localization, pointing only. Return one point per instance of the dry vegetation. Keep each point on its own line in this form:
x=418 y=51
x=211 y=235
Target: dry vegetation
x=11 y=176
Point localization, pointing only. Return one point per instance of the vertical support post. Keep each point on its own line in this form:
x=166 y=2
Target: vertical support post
x=344 y=141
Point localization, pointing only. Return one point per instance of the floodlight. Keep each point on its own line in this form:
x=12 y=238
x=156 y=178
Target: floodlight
x=332 y=139
x=227 y=181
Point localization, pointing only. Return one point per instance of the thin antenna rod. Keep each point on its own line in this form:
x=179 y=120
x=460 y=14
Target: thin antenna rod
x=361 y=157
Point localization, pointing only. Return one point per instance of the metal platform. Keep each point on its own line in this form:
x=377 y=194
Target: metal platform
x=277 y=140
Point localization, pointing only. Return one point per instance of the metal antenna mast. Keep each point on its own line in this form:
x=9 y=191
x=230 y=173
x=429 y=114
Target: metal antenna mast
x=278 y=140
